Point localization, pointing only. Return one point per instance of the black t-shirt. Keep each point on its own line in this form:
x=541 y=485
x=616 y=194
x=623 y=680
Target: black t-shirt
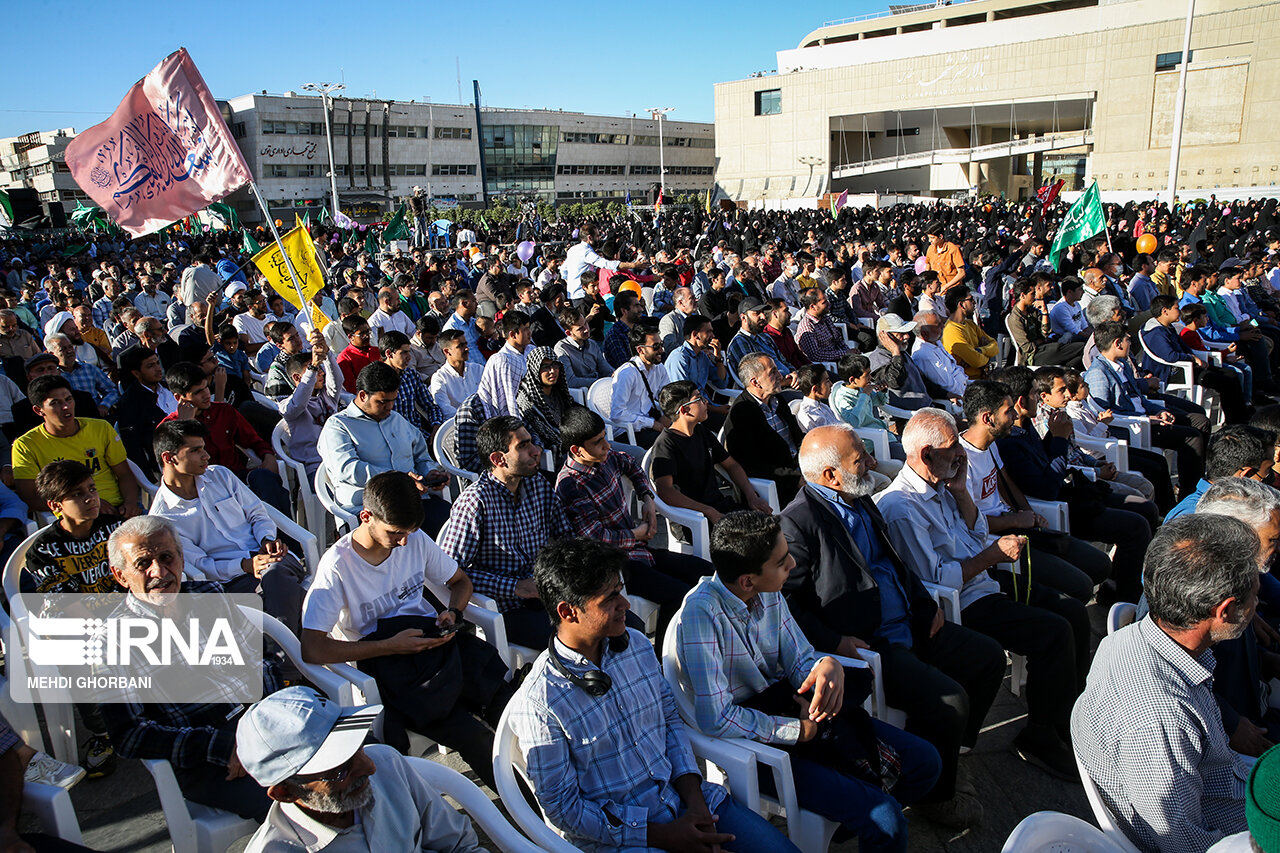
x=690 y=461
x=59 y=562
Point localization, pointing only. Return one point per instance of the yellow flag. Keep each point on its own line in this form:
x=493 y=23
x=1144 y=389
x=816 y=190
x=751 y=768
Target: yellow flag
x=302 y=253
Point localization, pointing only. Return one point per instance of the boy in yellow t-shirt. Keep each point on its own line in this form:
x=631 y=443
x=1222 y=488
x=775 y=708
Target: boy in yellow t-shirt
x=90 y=441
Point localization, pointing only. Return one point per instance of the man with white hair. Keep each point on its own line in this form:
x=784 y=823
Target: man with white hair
x=1148 y=729
x=850 y=590
x=935 y=525
x=938 y=366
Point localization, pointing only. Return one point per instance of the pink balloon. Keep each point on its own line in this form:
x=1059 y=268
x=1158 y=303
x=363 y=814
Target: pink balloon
x=922 y=264
x=524 y=251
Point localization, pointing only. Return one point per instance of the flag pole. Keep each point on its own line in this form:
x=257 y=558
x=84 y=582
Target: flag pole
x=293 y=276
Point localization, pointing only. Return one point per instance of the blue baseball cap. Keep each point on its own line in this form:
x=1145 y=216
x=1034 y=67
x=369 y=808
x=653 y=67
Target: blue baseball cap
x=298 y=731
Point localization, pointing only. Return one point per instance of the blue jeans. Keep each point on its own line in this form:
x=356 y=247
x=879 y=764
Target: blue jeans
x=752 y=833
x=870 y=813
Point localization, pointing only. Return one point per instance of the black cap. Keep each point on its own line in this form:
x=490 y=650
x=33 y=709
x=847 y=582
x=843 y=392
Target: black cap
x=751 y=303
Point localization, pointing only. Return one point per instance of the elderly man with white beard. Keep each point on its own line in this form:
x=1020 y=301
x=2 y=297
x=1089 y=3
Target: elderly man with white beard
x=935 y=525
x=851 y=590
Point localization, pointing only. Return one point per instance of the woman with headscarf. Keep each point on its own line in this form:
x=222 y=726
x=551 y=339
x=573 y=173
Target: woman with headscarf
x=543 y=397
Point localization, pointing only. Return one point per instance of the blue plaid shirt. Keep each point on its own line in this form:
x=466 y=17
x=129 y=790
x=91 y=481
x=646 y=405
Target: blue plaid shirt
x=595 y=503
x=493 y=535
x=602 y=768
x=731 y=651
x=617 y=345
x=92 y=381
x=466 y=423
x=415 y=403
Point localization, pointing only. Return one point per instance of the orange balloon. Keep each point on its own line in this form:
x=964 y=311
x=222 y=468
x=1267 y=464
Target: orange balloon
x=1147 y=244
x=631 y=285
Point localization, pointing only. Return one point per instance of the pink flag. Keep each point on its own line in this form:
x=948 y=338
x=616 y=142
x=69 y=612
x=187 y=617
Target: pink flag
x=164 y=154
x=841 y=201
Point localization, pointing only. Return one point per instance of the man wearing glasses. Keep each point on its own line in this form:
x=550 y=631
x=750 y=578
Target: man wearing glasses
x=636 y=385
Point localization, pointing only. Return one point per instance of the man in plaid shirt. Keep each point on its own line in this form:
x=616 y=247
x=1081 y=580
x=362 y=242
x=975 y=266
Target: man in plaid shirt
x=590 y=486
x=615 y=772
x=817 y=335
x=500 y=522
x=198 y=739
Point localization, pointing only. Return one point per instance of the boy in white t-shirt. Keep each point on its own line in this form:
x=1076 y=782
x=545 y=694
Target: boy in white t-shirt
x=366 y=605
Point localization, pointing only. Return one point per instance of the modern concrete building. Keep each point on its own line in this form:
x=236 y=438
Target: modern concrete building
x=998 y=95
x=458 y=155
x=36 y=161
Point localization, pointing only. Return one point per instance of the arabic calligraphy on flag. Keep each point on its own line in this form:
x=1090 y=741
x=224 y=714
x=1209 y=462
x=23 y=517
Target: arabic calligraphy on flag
x=164 y=154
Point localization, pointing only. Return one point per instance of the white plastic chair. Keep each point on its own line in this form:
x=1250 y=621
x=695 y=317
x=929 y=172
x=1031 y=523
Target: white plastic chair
x=296 y=477
x=600 y=401
x=1057 y=513
x=344 y=521
x=442 y=449
x=196 y=828
x=1054 y=832
x=475 y=802
x=507 y=762
x=766 y=489
x=694 y=521
x=145 y=486
x=1120 y=615
x=1115 y=450
x=1102 y=814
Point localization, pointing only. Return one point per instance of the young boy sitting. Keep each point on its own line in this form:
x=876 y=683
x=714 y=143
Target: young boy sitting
x=856 y=400
x=1194 y=318
x=227 y=350
x=752 y=673
x=814 y=383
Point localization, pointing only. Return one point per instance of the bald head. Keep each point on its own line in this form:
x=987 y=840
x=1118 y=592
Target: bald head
x=833 y=457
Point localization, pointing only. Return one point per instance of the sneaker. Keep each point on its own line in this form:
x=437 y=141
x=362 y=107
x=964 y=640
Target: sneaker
x=47 y=770
x=962 y=811
x=99 y=757
x=964 y=783
x=1041 y=746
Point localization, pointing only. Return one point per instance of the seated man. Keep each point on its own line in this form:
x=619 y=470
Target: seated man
x=934 y=524
x=589 y=487
x=64 y=436
x=640 y=789
x=226 y=534
x=369 y=437
x=749 y=667
x=466 y=422
x=1149 y=704
x=501 y=521
x=359 y=354
x=892 y=366
x=366 y=605
x=414 y=402
x=308 y=753
x=817 y=335
x=636 y=384
x=583 y=360
x=751 y=337
x=685 y=456
x=230 y=434
x=851 y=590
x=943 y=376
x=1161 y=340
x=1114 y=386
x=458 y=378
x=698 y=359
x=198 y=739
x=81 y=375
x=962 y=337
x=760 y=431
x=1029 y=326
x=22 y=415
x=145 y=401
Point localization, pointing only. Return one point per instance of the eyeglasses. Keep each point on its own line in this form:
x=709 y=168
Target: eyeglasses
x=342 y=774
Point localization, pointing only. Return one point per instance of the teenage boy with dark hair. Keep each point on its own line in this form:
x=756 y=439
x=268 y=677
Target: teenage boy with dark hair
x=366 y=605
x=640 y=788
x=590 y=488
x=359 y=354
x=750 y=668
x=229 y=434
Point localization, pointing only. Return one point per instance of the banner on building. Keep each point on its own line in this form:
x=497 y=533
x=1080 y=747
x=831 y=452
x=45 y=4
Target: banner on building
x=164 y=154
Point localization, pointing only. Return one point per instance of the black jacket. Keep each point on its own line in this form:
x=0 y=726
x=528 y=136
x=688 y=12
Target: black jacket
x=136 y=417
x=759 y=449
x=831 y=592
x=546 y=331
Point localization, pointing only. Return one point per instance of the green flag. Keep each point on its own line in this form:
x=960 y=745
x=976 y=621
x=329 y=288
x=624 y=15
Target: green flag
x=6 y=210
x=226 y=213
x=1083 y=220
x=306 y=220
x=250 y=245
x=397 y=228
x=324 y=216
x=370 y=244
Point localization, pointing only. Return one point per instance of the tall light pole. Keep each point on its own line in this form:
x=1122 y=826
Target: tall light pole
x=1175 y=140
x=810 y=162
x=657 y=113
x=324 y=90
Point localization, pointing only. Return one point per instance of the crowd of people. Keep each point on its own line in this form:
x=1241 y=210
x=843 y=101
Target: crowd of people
x=870 y=416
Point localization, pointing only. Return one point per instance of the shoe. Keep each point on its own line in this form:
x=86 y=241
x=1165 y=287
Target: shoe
x=962 y=811
x=964 y=783
x=47 y=770
x=1041 y=746
x=99 y=757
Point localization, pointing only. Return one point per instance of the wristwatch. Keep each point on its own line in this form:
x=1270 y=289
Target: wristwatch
x=457 y=614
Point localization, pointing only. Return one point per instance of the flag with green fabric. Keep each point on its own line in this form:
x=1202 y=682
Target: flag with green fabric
x=370 y=243
x=226 y=213
x=6 y=210
x=1083 y=220
x=249 y=246
x=324 y=217
x=397 y=228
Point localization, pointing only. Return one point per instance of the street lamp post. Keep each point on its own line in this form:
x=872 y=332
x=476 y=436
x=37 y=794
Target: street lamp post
x=657 y=113
x=811 y=162
x=324 y=90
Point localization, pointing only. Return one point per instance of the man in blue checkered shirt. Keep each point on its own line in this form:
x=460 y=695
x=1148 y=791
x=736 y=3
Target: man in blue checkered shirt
x=607 y=754
x=197 y=739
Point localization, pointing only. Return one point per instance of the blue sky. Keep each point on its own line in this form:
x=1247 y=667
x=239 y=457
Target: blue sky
x=75 y=60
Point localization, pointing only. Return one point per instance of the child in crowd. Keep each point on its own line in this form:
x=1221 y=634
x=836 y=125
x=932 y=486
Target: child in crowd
x=1194 y=318
x=856 y=400
x=228 y=352
x=359 y=354
x=814 y=383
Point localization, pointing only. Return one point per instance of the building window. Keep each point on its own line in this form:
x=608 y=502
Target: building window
x=644 y=140
x=585 y=138
x=590 y=170
x=1168 y=61
x=644 y=170
x=698 y=142
x=453 y=133
x=902 y=131
x=279 y=171
x=438 y=169
x=769 y=102
x=689 y=170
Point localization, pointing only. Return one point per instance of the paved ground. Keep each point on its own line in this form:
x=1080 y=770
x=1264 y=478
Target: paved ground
x=122 y=811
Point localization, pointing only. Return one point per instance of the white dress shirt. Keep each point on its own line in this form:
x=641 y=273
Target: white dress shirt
x=578 y=260
x=220 y=527
x=450 y=388
x=940 y=367
x=632 y=399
